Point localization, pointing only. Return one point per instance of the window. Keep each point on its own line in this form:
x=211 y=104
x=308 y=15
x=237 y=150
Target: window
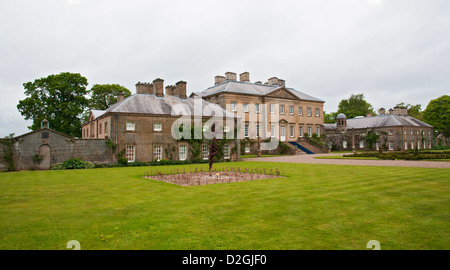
x=309 y=132
x=377 y=146
x=300 y=111
x=300 y=131
x=182 y=152
x=317 y=112
x=226 y=151
x=391 y=146
x=418 y=144
x=257 y=108
x=361 y=144
x=247 y=149
x=309 y=111
x=272 y=108
x=205 y=128
x=226 y=129
x=424 y=145
x=344 y=144
x=157 y=127
x=257 y=130
x=378 y=133
x=106 y=127
x=412 y=132
x=100 y=129
x=406 y=145
x=404 y=132
x=417 y=132
x=157 y=152
x=272 y=130
x=291 y=109
x=343 y=130
x=412 y=145
x=281 y=109
x=245 y=107
x=246 y=131
x=130 y=126
x=233 y=106
x=205 y=151
x=318 y=131
x=391 y=132
x=292 y=131
x=129 y=153
x=429 y=144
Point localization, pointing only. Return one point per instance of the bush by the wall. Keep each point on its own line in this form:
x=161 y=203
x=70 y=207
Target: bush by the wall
x=73 y=164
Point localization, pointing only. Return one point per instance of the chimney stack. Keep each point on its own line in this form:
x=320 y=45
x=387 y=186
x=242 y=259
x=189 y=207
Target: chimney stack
x=171 y=91
x=159 y=87
x=244 y=77
x=381 y=111
x=397 y=110
x=219 y=79
x=404 y=111
x=144 y=88
x=230 y=76
x=181 y=89
x=258 y=82
x=119 y=96
x=273 y=81
x=281 y=82
x=391 y=111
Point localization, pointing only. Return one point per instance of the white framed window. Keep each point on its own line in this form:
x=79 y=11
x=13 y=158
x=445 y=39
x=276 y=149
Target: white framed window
x=157 y=127
x=318 y=131
x=272 y=130
x=130 y=126
x=404 y=132
x=418 y=144
x=245 y=107
x=309 y=132
x=291 y=110
x=272 y=108
x=377 y=133
x=257 y=130
x=257 y=108
x=390 y=132
x=417 y=132
x=226 y=128
x=361 y=144
x=247 y=149
x=205 y=151
x=412 y=145
x=182 y=151
x=424 y=145
x=406 y=145
x=391 y=146
x=300 y=131
x=300 y=111
x=292 y=131
x=429 y=145
x=157 y=152
x=226 y=151
x=344 y=144
x=246 y=131
x=309 y=111
x=281 y=109
x=377 y=146
x=412 y=132
x=130 y=153
x=317 y=112
x=233 y=106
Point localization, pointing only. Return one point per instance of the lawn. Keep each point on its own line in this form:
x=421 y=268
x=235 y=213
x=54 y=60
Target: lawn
x=315 y=207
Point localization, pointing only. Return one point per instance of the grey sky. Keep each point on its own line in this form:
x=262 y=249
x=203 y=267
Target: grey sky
x=391 y=50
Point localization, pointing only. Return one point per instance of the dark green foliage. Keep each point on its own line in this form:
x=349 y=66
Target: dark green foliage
x=283 y=148
x=8 y=152
x=355 y=106
x=371 y=138
x=105 y=95
x=406 y=155
x=58 y=98
x=73 y=164
x=437 y=114
x=37 y=159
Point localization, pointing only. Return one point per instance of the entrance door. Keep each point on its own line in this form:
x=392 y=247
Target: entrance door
x=44 y=151
x=283 y=133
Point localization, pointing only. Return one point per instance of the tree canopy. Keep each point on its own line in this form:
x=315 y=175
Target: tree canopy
x=437 y=114
x=58 y=98
x=354 y=106
x=104 y=95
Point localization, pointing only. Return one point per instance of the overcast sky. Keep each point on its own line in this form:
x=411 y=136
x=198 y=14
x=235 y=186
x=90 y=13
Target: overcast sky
x=392 y=51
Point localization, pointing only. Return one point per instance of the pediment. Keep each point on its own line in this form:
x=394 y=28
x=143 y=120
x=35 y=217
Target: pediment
x=281 y=92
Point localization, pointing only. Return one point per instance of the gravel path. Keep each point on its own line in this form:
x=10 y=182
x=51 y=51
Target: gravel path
x=310 y=159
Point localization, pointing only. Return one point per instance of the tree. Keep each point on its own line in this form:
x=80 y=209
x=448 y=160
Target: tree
x=104 y=95
x=329 y=118
x=355 y=106
x=58 y=98
x=437 y=113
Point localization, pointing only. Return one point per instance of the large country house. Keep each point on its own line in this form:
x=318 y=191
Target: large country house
x=396 y=131
x=267 y=109
x=141 y=125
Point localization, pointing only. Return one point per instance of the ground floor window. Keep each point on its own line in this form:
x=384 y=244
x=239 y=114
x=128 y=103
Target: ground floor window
x=300 y=130
x=391 y=146
x=205 y=151
x=130 y=153
x=318 y=131
x=309 y=133
x=272 y=130
x=247 y=149
x=292 y=131
x=344 y=144
x=157 y=152
x=406 y=145
x=226 y=151
x=377 y=145
x=361 y=144
x=182 y=152
x=412 y=145
x=418 y=144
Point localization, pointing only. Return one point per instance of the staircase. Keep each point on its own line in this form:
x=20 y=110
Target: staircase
x=302 y=148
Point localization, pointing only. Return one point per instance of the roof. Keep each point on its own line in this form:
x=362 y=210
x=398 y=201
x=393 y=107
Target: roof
x=167 y=105
x=381 y=121
x=341 y=115
x=251 y=88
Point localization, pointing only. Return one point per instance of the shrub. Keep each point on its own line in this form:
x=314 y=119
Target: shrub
x=73 y=164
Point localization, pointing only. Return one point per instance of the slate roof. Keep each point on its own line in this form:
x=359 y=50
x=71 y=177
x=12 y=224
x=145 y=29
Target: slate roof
x=251 y=88
x=150 y=104
x=381 y=121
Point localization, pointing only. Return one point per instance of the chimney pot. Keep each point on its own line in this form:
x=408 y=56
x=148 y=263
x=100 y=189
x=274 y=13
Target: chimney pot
x=219 y=79
x=273 y=81
x=181 y=89
x=159 y=87
x=230 y=76
x=244 y=77
x=120 y=96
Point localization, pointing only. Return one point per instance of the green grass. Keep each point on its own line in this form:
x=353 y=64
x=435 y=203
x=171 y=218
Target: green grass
x=315 y=207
